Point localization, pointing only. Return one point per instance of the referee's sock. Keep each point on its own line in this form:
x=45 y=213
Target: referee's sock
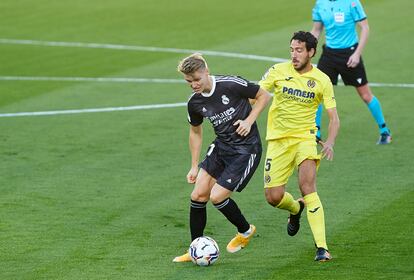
x=374 y=107
x=198 y=218
x=316 y=219
x=288 y=203
x=232 y=212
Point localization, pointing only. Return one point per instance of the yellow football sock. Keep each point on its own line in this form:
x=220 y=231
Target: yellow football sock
x=316 y=219
x=288 y=203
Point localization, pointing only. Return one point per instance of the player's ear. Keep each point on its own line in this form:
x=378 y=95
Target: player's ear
x=312 y=52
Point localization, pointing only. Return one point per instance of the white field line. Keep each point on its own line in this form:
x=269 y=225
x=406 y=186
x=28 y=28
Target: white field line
x=92 y=110
x=136 y=48
x=127 y=80
x=147 y=49
x=91 y=79
x=145 y=80
x=391 y=85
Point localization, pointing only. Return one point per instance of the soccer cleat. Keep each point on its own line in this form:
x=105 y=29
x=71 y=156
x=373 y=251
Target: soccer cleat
x=183 y=258
x=294 y=220
x=322 y=255
x=240 y=241
x=385 y=138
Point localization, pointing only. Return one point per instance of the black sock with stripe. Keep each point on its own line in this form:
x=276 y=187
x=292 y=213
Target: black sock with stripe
x=232 y=212
x=198 y=218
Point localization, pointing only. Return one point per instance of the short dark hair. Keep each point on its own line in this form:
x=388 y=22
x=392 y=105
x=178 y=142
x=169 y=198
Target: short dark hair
x=310 y=41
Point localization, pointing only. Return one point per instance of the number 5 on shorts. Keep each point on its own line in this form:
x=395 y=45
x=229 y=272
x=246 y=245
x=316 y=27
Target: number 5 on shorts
x=268 y=164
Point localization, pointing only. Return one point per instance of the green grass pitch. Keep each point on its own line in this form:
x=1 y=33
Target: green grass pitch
x=103 y=195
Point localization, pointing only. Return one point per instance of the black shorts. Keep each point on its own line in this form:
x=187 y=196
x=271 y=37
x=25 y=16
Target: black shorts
x=232 y=170
x=333 y=62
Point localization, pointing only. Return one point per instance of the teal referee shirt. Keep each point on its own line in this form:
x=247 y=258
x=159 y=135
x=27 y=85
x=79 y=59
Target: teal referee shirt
x=339 y=18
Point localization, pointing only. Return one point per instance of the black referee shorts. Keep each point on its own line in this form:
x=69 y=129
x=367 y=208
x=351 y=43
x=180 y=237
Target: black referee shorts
x=232 y=170
x=333 y=62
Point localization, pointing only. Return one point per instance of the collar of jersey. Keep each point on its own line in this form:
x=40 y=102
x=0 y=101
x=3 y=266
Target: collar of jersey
x=297 y=74
x=213 y=88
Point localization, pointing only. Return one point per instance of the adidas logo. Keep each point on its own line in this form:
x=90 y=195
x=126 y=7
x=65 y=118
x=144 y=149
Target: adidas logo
x=359 y=80
x=228 y=180
x=204 y=110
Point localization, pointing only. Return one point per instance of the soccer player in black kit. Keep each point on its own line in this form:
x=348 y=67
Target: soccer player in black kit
x=233 y=156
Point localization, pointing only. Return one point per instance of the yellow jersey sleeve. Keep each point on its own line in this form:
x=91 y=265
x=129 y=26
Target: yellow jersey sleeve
x=268 y=79
x=328 y=96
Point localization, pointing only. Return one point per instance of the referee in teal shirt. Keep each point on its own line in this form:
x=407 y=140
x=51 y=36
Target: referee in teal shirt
x=342 y=53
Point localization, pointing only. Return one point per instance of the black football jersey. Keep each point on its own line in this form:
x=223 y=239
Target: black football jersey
x=227 y=102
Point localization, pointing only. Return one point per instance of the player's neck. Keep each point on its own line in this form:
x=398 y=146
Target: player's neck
x=209 y=86
x=305 y=69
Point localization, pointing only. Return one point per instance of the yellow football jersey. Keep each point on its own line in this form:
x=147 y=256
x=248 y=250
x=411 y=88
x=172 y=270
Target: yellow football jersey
x=296 y=99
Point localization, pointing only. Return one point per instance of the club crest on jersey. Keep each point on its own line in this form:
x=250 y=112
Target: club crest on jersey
x=311 y=83
x=225 y=99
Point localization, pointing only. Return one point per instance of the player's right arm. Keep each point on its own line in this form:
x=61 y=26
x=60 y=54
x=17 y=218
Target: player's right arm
x=195 y=143
x=268 y=80
x=262 y=99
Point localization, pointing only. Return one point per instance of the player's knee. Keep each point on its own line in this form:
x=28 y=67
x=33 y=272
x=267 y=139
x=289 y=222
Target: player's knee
x=199 y=196
x=274 y=196
x=214 y=198
x=307 y=188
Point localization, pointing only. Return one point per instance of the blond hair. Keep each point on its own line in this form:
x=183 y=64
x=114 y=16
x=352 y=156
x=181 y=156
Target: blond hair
x=192 y=63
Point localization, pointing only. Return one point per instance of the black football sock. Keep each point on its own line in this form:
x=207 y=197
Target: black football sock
x=232 y=212
x=198 y=218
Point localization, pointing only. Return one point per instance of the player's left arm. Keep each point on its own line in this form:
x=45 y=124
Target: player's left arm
x=262 y=99
x=355 y=58
x=333 y=128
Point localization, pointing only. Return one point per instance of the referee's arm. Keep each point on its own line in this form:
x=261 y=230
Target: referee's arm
x=317 y=29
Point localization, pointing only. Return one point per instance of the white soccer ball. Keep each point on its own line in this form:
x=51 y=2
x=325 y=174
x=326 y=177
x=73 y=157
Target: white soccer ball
x=204 y=251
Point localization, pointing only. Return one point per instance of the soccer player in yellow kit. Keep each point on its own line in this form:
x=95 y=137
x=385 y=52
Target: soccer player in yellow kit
x=298 y=89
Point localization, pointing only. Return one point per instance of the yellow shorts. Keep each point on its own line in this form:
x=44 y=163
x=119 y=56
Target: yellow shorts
x=283 y=155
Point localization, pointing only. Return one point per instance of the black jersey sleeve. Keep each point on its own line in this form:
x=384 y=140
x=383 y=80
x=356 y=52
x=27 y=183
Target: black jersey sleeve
x=245 y=88
x=194 y=118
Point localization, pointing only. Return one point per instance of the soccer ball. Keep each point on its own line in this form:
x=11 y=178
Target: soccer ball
x=204 y=251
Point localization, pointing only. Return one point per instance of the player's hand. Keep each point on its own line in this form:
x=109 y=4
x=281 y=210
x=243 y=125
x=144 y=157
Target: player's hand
x=192 y=175
x=327 y=150
x=244 y=127
x=353 y=60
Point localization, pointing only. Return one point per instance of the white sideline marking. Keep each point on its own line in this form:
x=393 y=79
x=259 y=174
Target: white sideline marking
x=136 y=48
x=89 y=79
x=391 y=85
x=146 y=80
x=148 y=49
x=92 y=110
x=127 y=80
